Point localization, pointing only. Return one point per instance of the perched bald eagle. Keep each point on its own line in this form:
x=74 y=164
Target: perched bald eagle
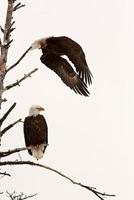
x=36 y=132
x=53 y=49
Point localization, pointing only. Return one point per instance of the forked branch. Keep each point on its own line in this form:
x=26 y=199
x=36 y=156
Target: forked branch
x=18 y=6
x=2 y=174
x=21 y=196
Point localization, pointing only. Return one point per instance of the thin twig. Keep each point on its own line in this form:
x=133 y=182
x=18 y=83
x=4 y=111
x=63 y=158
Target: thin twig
x=9 y=127
x=2 y=30
x=19 y=156
x=7 y=113
x=4 y=174
x=7 y=45
x=3 y=100
x=18 y=6
x=13 y=22
x=100 y=195
x=20 y=80
x=10 y=29
x=15 y=64
x=21 y=196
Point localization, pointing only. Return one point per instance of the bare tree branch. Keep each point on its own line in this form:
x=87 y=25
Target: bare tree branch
x=4 y=174
x=100 y=195
x=13 y=22
x=4 y=46
x=9 y=127
x=18 y=6
x=6 y=37
x=22 y=79
x=7 y=113
x=3 y=100
x=7 y=45
x=2 y=75
x=15 y=64
x=10 y=29
x=21 y=196
x=2 y=30
x=0 y=44
x=16 y=150
x=9 y=152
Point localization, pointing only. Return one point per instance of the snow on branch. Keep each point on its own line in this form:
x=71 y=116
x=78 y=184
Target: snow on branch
x=20 y=80
x=100 y=195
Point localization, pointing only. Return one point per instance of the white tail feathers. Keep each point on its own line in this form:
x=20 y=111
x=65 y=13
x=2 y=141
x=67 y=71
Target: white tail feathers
x=37 y=151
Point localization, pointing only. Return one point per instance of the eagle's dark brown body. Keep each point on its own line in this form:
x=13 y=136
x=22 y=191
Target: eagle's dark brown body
x=55 y=48
x=35 y=131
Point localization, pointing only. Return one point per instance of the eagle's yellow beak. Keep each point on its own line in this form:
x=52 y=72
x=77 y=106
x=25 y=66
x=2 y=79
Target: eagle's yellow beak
x=41 y=109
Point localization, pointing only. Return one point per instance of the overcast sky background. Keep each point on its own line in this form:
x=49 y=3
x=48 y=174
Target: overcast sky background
x=90 y=139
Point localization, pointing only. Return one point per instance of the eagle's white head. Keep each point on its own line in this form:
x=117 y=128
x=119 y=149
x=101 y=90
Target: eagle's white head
x=38 y=44
x=35 y=110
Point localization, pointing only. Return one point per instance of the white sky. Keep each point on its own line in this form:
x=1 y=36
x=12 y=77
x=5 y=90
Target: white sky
x=90 y=139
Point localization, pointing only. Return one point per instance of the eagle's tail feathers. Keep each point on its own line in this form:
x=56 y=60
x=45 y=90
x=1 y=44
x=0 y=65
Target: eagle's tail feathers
x=37 y=151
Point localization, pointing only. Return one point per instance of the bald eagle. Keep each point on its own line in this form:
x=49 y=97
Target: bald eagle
x=36 y=132
x=53 y=50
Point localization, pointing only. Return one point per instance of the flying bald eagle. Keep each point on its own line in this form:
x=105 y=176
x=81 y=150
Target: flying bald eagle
x=53 y=49
x=36 y=132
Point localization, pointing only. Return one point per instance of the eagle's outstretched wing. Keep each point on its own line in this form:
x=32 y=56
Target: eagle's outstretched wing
x=64 y=70
x=66 y=46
